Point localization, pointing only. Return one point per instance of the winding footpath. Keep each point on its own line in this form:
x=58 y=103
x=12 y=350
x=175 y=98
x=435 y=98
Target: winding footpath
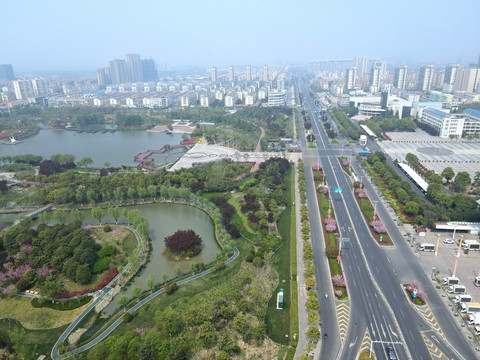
x=56 y=356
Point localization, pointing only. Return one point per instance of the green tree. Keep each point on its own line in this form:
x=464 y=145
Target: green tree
x=164 y=276
x=313 y=332
x=85 y=161
x=44 y=217
x=115 y=212
x=106 y=164
x=83 y=274
x=136 y=291
x=178 y=270
x=412 y=208
x=60 y=216
x=98 y=213
x=448 y=173
x=122 y=301
x=77 y=215
x=150 y=282
x=462 y=180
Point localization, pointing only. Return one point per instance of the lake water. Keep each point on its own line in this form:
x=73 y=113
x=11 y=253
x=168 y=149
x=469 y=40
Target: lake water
x=118 y=148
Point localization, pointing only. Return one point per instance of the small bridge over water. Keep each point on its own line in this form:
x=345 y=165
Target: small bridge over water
x=35 y=213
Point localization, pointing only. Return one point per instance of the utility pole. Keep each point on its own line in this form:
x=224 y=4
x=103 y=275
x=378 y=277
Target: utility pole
x=438 y=243
x=458 y=255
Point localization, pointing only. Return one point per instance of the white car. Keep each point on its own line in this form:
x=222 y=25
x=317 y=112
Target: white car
x=448 y=241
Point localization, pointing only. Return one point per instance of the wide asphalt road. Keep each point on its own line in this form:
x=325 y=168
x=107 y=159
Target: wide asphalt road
x=411 y=325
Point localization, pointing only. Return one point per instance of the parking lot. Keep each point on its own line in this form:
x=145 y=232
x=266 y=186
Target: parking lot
x=468 y=264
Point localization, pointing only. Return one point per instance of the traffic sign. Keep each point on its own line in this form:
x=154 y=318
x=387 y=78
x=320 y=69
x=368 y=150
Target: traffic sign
x=414 y=293
x=339 y=258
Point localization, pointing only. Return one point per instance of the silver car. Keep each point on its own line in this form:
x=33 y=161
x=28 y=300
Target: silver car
x=448 y=241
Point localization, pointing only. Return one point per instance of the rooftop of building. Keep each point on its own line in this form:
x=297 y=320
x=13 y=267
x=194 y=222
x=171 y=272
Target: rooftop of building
x=472 y=112
x=436 y=112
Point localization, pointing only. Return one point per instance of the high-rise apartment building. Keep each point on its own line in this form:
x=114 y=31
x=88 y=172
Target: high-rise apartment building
x=380 y=63
x=265 y=73
x=103 y=76
x=23 y=89
x=351 y=75
x=134 y=67
x=231 y=73
x=39 y=86
x=118 y=71
x=400 y=78
x=361 y=63
x=451 y=73
x=425 y=78
x=214 y=74
x=6 y=72
x=375 y=74
x=468 y=79
x=249 y=73
x=149 y=70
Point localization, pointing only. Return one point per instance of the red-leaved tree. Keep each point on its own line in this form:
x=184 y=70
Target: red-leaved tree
x=184 y=242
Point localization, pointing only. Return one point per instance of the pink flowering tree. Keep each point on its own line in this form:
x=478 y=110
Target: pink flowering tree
x=317 y=167
x=378 y=226
x=345 y=162
x=331 y=225
x=26 y=248
x=44 y=271
x=362 y=193
x=8 y=290
x=338 y=293
x=338 y=280
x=140 y=331
x=322 y=189
x=421 y=295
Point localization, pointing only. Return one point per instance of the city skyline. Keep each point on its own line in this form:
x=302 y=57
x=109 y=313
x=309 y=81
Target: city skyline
x=219 y=35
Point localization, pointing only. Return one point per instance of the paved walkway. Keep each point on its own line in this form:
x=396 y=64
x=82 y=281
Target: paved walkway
x=54 y=354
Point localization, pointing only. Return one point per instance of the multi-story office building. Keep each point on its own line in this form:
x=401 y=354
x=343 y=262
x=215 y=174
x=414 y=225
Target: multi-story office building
x=446 y=124
x=118 y=71
x=277 y=98
x=134 y=67
x=468 y=79
x=400 y=78
x=425 y=78
x=350 y=77
x=249 y=73
x=361 y=63
x=103 y=76
x=231 y=73
x=6 y=72
x=265 y=73
x=149 y=70
x=214 y=75
x=471 y=125
x=375 y=75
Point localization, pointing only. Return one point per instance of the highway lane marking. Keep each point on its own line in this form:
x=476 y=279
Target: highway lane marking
x=353 y=343
x=430 y=318
x=365 y=345
x=343 y=316
x=435 y=352
x=393 y=332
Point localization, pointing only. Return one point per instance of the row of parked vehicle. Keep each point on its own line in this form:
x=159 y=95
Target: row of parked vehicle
x=466 y=245
x=468 y=307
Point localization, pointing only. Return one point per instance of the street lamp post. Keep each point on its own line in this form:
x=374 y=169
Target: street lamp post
x=458 y=255
x=438 y=243
x=375 y=210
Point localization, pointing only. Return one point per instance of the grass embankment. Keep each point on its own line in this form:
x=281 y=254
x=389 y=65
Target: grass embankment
x=278 y=321
x=43 y=339
x=21 y=309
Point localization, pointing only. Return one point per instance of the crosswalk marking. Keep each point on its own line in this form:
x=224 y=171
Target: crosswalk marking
x=343 y=315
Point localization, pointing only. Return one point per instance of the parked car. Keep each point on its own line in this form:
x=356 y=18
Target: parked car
x=448 y=241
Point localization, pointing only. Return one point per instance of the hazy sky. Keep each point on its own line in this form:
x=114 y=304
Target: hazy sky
x=80 y=35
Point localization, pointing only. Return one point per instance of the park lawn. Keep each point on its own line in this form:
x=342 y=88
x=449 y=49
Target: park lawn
x=278 y=321
x=234 y=201
x=21 y=309
x=324 y=205
x=43 y=339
